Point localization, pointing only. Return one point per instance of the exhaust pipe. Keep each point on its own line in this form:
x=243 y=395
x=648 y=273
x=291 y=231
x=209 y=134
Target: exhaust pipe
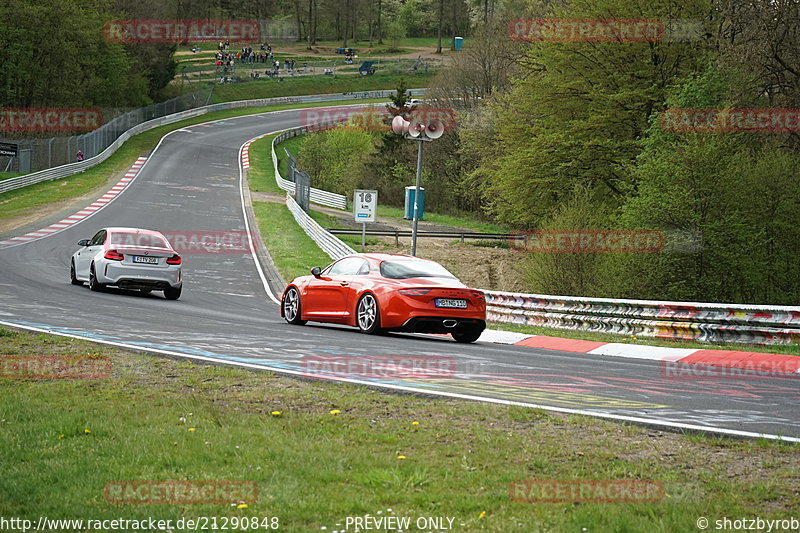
x=449 y=323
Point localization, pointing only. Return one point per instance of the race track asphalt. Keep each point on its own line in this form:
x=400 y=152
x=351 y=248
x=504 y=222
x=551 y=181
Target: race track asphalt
x=191 y=183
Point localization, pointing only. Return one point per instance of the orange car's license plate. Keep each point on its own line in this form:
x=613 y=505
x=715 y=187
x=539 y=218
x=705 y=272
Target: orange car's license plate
x=451 y=303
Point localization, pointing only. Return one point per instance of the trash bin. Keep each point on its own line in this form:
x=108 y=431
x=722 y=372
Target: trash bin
x=458 y=42
x=409 y=204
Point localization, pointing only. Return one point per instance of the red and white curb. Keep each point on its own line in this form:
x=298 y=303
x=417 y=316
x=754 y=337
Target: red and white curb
x=751 y=361
x=81 y=215
x=246 y=150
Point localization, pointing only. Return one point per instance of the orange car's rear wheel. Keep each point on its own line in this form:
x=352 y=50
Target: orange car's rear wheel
x=368 y=314
x=469 y=335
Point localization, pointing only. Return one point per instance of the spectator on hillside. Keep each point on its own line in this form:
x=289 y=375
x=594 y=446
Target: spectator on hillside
x=79 y=156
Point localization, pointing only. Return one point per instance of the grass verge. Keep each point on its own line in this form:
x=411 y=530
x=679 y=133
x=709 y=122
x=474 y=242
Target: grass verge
x=292 y=251
x=160 y=419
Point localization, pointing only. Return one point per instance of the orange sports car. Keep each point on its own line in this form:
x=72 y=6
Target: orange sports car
x=376 y=292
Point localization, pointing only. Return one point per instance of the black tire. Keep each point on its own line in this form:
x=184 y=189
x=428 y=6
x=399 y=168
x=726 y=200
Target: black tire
x=72 y=279
x=94 y=285
x=368 y=315
x=173 y=294
x=291 y=306
x=469 y=335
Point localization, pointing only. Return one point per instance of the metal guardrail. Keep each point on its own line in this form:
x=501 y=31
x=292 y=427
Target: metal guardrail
x=318 y=196
x=704 y=322
x=462 y=235
x=39 y=154
x=69 y=169
x=73 y=168
x=331 y=245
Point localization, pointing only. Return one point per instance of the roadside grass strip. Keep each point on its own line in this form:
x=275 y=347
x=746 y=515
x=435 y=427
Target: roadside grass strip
x=84 y=213
x=321 y=453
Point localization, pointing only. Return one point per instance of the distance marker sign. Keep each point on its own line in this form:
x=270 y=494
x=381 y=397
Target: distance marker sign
x=365 y=204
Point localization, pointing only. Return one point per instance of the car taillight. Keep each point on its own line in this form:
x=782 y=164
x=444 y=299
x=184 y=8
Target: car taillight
x=114 y=255
x=174 y=260
x=478 y=295
x=414 y=292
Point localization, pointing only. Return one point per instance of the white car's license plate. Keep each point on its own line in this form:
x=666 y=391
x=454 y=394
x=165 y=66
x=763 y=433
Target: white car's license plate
x=451 y=303
x=147 y=260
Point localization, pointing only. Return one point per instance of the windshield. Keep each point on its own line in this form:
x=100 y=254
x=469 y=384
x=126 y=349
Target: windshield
x=413 y=268
x=142 y=240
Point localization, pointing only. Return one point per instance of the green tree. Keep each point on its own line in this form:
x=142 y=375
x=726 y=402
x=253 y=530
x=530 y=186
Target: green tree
x=578 y=110
x=736 y=193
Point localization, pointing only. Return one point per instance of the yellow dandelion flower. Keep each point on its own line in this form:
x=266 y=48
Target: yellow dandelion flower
x=414 y=423
x=335 y=411
x=401 y=457
x=87 y=431
x=191 y=429
x=276 y=413
x=242 y=506
x=482 y=515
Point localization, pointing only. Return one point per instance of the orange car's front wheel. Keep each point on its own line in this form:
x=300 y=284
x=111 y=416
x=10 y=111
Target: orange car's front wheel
x=291 y=307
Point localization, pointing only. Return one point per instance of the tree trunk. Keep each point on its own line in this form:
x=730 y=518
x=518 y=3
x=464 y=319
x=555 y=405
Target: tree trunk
x=380 y=30
x=309 y=25
x=454 y=27
x=314 y=26
x=439 y=32
x=299 y=21
x=371 y=22
x=346 y=17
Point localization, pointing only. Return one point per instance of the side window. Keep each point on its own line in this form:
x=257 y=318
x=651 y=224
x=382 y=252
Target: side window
x=350 y=266
x=99 y=238
x=363 y=269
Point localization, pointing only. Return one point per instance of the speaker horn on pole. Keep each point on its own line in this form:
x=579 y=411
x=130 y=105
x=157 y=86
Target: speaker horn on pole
x=400 y=125
x=435 y=129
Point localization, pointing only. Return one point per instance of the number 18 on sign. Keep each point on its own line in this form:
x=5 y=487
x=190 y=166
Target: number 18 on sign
x=365 y=203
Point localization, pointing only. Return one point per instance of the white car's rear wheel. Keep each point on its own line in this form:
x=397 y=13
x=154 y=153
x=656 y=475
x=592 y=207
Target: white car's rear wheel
x=93 y=283
x=72 y=278
x=172 y=294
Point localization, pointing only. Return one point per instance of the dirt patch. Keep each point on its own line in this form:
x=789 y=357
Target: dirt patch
x=477 y=266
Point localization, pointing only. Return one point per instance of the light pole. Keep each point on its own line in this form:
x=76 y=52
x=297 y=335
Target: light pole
x=417 y=131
